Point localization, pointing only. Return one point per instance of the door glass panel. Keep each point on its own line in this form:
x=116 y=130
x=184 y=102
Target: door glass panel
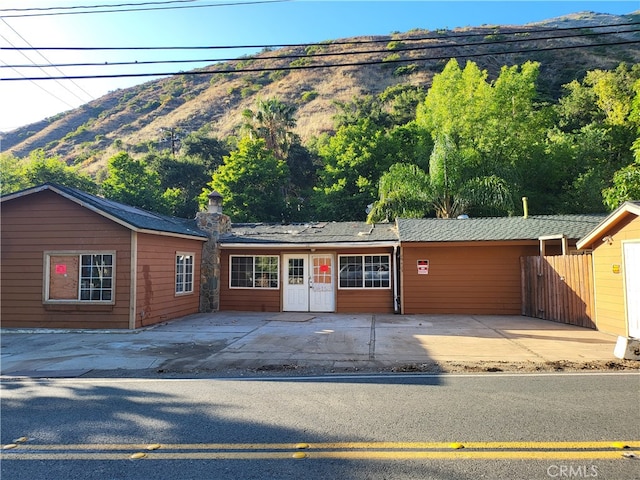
x=296 y=271
x=321 y=270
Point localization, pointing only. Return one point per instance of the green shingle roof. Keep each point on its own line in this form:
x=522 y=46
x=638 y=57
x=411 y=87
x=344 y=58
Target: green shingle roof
x=496 y=228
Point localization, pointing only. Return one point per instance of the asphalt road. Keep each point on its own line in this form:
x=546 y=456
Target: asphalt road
x=490 y=426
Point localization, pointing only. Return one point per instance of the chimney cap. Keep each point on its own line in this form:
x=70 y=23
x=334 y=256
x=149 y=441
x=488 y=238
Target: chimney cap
x=214 y=194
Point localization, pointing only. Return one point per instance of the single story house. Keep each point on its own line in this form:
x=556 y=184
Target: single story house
x=615 y=245
x=74 y=260
x=469 y=265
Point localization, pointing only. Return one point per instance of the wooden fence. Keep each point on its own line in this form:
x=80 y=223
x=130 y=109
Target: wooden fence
x=558 y=288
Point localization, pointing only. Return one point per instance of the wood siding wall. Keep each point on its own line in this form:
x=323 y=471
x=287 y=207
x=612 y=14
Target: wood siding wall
x=266 y=300
x=464 y=277
x=246 y=299
x=558 y=288
x=45 y=221
x=156 y=296
x=365 y=300
x=610 y=308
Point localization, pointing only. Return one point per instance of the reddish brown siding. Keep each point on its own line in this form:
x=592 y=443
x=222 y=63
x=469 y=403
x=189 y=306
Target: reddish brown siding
x=464 y=278
x=609 y=286
x=42 y=222
x=246 y=299
x=347 y=300
x=363 y=300
x=156 y=294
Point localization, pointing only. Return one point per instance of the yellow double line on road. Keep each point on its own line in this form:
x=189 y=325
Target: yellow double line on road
x=601 y=450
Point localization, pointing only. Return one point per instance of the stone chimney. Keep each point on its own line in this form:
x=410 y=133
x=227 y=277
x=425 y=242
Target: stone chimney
x=214 y=223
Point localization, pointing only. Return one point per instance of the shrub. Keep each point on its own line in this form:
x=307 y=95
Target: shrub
x=395 y=45
x=309 y=95
x=405 y=70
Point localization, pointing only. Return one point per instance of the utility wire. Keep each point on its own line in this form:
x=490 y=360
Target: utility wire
x=49 y=64
x=75 y=7
x=332 y=54
x=42 y=88
x=120 y=10
x=343 y=42
x=334 y=65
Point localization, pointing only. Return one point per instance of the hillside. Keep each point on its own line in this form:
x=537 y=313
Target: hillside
x=132 y=119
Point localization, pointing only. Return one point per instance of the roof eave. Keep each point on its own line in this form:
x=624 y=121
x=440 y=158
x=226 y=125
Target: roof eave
x=627 y=208
x=101 y=212
x=308 y=245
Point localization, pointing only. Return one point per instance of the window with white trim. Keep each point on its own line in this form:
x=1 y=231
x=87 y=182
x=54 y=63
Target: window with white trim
x=247 y=271
x=80 y=277
x=184 y=273
x=364 y=271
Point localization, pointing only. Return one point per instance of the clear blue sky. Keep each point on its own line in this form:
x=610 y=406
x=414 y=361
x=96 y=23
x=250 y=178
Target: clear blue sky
x=216 y=22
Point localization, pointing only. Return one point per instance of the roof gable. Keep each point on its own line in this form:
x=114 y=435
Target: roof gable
x=130 y=217
x=619 y=214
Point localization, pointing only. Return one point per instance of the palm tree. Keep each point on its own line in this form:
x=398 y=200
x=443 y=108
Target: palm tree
x=272 y=121
x=449 y=189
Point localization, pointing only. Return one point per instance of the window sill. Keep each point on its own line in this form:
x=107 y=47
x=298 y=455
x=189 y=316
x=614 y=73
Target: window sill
x=78 y=307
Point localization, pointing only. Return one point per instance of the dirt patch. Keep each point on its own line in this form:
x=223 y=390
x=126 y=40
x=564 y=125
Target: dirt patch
x=523 y=367
x=174 y=369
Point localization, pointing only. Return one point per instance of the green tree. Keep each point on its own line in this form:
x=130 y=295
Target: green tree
x=352 y=164
x=38 y=169
x=252 y=182
x=402 y=101
x=359 y=108
x=12 y=178
x=626 y=186
x=131 y=182
x=599 y=120
x=451 y=188
x=302 y=167
x=181 y=181
x=498 y=125
x=203 y=149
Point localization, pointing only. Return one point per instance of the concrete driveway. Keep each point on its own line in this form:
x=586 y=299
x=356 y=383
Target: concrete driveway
x=247 y=341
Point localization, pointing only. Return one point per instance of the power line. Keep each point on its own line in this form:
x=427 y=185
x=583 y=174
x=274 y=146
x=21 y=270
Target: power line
x=42 y=88
x=339 y=42
x=332 y=54
x=75 y=7
x=49 y=65
x=120 y=10
x=334 y=65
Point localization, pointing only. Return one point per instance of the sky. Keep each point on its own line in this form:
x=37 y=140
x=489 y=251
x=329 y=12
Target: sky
x=207 y=23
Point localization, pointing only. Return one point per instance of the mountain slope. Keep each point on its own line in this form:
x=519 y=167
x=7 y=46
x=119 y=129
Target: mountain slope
x=132 y=119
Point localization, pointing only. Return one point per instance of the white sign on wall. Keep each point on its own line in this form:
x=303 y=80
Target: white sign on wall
x=423 y=267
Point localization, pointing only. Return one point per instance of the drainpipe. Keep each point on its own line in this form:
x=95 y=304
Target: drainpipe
x=396 y=296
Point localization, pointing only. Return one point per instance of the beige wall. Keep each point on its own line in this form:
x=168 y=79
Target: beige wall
x=609 y=284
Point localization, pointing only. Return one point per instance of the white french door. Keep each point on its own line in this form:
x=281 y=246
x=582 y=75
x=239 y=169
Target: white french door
x=632 y=283
x=309 y=284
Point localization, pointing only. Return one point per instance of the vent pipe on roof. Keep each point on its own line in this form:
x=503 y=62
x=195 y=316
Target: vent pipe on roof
x=525 y=207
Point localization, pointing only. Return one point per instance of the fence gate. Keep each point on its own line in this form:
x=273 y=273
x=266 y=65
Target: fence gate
x=558 y=288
